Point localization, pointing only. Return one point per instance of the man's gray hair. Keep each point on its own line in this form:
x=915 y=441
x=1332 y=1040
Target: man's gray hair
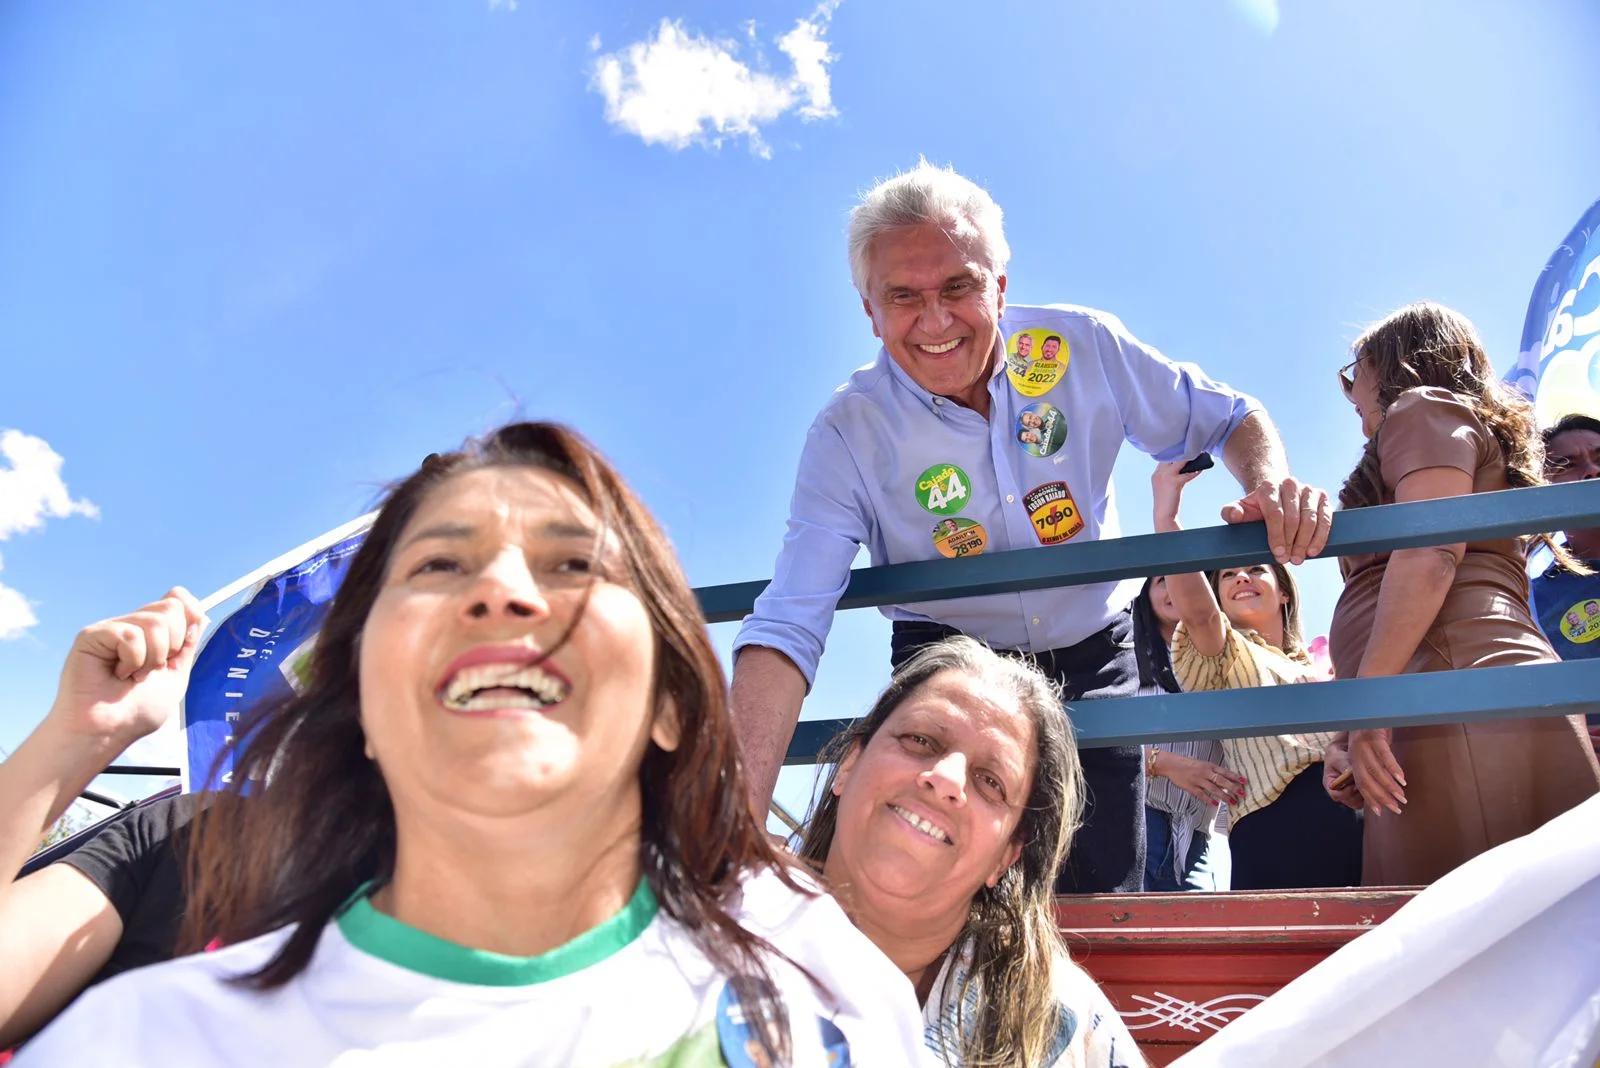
x=928 y=194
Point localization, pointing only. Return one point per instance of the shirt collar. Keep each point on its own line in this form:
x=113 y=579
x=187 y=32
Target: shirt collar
x=934 y=403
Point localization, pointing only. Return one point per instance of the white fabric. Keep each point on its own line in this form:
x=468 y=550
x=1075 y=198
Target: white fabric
x=1090 y=1033
x=1497 y=965
x=654 y=1001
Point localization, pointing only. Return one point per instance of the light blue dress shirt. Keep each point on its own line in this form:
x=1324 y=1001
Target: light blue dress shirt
x=874 y=472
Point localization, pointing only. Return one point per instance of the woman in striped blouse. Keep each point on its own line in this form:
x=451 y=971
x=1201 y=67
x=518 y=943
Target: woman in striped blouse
x=1240 y=629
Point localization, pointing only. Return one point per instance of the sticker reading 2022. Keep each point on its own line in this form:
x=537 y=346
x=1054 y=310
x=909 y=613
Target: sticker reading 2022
x=1581 y=623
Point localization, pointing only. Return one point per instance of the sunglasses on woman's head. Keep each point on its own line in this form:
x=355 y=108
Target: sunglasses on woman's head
x=1347 y=376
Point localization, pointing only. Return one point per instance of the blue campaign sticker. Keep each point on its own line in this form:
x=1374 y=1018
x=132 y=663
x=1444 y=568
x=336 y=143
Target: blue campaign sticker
x=741 y=1048
x=736 y=1036
x=1041 y=428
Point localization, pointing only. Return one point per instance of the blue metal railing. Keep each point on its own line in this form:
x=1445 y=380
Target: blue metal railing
x=1439 y=697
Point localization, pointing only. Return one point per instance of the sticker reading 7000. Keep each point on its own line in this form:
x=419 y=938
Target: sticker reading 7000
x=942 y=489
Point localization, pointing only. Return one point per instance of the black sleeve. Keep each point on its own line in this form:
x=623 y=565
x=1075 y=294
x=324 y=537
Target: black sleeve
x=124 y=855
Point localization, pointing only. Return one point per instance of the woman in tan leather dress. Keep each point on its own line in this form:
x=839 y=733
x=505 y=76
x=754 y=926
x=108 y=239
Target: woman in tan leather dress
x=1439 y=424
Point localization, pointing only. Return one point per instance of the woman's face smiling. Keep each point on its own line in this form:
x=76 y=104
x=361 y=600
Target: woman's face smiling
x=929 y=808
x=1250 y=595
x=460 y=706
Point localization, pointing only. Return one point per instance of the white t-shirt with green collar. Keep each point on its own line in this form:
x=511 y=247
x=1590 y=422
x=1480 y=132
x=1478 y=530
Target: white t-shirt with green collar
x=634 y=991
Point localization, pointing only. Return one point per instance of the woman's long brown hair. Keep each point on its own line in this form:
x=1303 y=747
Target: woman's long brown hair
x=317 y=824
x=1427 y=344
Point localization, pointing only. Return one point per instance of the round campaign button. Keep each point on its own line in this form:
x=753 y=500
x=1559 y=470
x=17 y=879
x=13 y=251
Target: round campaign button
x=1041 y=428
x=942 y=489
x=1053 y=512
x=959 y=537
x=1581 y=623
x=1035 y=361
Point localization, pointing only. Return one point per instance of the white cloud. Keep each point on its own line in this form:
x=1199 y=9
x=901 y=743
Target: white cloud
x=1262 y=15
x=31 y=491
x=502 y=5
x=679 y=88
x=594 y=43
x=16 y=615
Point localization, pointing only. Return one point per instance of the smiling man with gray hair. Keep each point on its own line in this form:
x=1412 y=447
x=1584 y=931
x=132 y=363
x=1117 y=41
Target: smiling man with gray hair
x=929 y=432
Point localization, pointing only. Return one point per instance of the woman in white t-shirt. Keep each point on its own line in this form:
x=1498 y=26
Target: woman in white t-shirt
x=504 y=824
x=940 y=830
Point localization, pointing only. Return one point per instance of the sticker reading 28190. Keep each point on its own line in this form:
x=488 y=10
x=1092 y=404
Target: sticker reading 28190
x=956 y=538
x=1053 y=511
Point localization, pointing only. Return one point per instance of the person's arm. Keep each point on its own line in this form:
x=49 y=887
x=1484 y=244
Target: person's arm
x=1298 y=516
x=122 y=679
x=1191 y=594
x=780 y=643
x=59 y=930
x=1208 y=783
x=765 y=698
x=1415 y=582
x=1173 y=411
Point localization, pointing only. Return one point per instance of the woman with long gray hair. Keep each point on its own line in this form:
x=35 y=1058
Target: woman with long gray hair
x=949 y=810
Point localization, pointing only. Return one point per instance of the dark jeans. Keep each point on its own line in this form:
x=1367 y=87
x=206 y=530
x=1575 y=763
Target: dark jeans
x=1303 y=839
x=1108 y=851
x=1161 y=869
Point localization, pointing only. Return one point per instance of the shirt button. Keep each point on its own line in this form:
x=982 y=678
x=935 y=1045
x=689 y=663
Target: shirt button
x=1036 y=621
x=938 y=400
x=1010 y=499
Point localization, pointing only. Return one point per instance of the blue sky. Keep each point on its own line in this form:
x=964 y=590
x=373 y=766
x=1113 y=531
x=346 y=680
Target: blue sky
x=257 y=259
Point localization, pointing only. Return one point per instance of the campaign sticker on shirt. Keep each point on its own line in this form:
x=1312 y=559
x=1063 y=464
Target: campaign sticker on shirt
x=740 y=1048
x=1035 y=361
x=959 y=537
x=1041 y=428
x=942 y=489
x=1053 y=511
x=1581 y=623
x=736 y=1035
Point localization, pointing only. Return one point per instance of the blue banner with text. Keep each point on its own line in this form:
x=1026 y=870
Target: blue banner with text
x=259 y=653
x=1559 y=365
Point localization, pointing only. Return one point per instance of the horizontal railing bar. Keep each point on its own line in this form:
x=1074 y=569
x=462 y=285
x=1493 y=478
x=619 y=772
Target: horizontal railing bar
x=140 y=769
x=1518 y=692
x=101 y=799
x=1472 y=517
